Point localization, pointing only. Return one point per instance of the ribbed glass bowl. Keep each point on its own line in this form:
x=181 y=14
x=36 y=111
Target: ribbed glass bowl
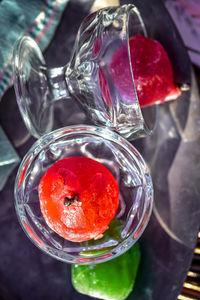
x=124 y=162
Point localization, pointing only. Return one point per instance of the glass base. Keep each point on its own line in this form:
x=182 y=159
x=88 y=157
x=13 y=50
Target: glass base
x=32 y=87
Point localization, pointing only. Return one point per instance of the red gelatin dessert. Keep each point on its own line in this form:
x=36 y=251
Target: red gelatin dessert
x=78 y=198
x=152 y=71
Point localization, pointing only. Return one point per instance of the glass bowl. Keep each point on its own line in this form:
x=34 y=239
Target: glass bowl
x=124 y=162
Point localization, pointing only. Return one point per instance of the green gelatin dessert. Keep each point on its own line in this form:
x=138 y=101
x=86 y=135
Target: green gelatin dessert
x=111 y=280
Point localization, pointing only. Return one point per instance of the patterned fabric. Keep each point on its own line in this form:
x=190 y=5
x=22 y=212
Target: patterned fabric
x=8 y=158
x=35 y=18
x=186 y=15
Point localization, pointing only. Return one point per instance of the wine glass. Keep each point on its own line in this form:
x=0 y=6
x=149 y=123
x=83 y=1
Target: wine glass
x=118 y=156
x=87 y=78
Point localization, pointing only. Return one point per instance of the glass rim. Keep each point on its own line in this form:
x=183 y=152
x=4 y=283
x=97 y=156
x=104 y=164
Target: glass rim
x=129 y=8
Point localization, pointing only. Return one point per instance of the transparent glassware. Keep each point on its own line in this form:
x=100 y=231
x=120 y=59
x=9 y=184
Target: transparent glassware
x=127 y=166
x=88 y=77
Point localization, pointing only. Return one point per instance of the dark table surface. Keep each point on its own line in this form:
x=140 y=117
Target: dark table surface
x=172 y=152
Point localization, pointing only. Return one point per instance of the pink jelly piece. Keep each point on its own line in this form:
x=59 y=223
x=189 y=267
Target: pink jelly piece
x=152 y=71
x=103 y=82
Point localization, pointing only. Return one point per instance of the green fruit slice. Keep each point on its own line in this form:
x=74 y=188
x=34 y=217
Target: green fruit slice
x=112 y=280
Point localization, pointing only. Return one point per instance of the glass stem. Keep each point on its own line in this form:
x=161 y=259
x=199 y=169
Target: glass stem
x=58 y=85
x=55 y=87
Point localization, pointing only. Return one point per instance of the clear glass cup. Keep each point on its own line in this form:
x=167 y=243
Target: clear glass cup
x=89 y=77
x=124 y=162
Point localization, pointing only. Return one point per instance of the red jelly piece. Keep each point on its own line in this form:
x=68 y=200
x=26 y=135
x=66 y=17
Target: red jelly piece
x=78 y=198
x=152 y=70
